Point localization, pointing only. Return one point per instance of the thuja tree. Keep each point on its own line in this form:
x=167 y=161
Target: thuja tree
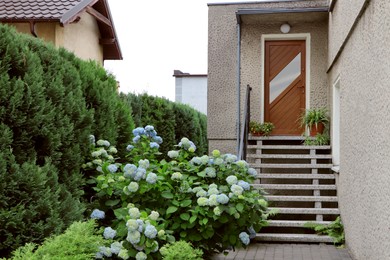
x=50 y=102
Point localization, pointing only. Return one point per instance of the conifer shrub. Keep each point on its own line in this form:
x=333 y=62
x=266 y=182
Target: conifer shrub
x=50 y=103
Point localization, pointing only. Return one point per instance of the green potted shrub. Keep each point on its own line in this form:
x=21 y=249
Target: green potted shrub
x=257 y=129
x=315 y=119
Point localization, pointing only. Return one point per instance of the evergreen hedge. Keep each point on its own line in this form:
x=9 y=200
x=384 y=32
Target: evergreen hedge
x=171 y=120
x=50 y=102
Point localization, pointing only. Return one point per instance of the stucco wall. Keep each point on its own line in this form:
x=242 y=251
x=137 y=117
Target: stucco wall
x=192 y=91
x=45 y=31
x=222 y=67
x=364 y=180
x=82 y=38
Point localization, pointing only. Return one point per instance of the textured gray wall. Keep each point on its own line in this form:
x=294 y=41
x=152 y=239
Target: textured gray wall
x=222 y=65
x=364 y=180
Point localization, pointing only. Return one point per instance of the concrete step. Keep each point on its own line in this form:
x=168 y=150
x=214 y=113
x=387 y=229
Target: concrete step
x=295 y=176
x=282 y=138
x=308 y=211
x=306 y=238
x=289 y=147
x=292 y=166
x=289 y=156
x=293 y=223
x=294 y=187
x=301 y=198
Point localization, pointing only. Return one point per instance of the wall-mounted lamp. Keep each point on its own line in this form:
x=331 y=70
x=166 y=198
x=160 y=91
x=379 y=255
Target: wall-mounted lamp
x=285 y=28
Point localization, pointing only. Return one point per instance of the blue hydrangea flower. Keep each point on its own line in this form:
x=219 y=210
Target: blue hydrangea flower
x=211 y=162
x=237 y=190
x=213 y=186
x=252 y=232
x=144 y=163
x=132 y=225
x=252 y=172
x=112 y=168
x=173 y=154
x=133 y=186
x=133 y=237
x=242 y=164
x=231 y=180
x=196 y=161
x=116 y=247
x=244 y=185
x=213 y=200
x=210 y=172
x=97 y=214
x=129 y=147
x=140 y=225
x=158 y=139
x=154 y=215
x=136 y=139
x=129 y=170
x=96 y=153
x=202 y=201
x=154 y=145
x=91 y=139
x=230 y=158
x=244 y=237
x=201 y=193
x=113 y=150
x=103 y=143
x=140 y=174
x=212 y=191
x=141 y=256
x=222 y=199
x=149 y=128
x=218 y=161
x=138 y=131
x=109 y=233
x=151 y=178
x=150 y=231
x=204 y=159
x=134 y=213
x=103 y=251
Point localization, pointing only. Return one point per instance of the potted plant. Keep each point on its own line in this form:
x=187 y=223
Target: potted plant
x=315 y=119
x=257 y=129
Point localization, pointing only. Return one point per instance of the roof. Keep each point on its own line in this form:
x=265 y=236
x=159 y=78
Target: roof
x=65 y=12
x=180 y=74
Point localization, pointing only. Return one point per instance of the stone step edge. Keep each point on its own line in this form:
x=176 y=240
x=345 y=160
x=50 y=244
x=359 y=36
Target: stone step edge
x=295 y=176
x=289 y=147
x=289 y=156
x=293 y=223
x=293 y=165
x=283 y=237
x=294 y=187
x=309 y=211
x=301 y=198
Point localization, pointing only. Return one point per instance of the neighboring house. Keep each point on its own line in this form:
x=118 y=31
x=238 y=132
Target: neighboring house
x=191 y=89
x=84 y=27
x=336 y=55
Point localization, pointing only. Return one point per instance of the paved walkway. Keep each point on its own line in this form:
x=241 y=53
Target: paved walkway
x=287 y=252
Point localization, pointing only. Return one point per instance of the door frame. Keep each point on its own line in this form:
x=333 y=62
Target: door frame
x=286 y=37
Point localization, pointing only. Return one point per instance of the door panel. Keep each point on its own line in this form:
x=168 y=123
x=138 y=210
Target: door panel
x=284 y=98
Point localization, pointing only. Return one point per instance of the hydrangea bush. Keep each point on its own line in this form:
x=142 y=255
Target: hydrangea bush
x=205 y=200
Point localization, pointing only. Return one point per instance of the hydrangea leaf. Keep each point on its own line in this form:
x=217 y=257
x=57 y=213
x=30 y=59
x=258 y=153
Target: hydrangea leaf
x=167 y=195
x=111 y=203
x=185 y=216
x=171 y=209
x=192 y=219
x=240 y=207
x=185 y=203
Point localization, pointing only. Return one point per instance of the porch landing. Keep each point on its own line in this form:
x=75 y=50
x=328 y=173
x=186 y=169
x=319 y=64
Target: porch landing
x=287 y=252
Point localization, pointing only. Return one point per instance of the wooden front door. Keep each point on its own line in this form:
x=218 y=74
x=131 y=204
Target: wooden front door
x=284 y=94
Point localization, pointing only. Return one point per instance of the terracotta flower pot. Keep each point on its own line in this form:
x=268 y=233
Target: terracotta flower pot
x=316 y=129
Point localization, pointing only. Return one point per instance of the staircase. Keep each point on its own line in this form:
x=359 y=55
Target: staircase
x=299 y=185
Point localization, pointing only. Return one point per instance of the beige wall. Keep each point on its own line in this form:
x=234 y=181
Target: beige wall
x=222 y=65
x=82 y=37
x=364 y=180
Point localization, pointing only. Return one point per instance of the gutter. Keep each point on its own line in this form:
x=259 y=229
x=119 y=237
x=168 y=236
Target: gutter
x=238 y=85
x=32 y=29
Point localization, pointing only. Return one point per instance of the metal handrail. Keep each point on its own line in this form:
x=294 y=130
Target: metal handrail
x=245 y=125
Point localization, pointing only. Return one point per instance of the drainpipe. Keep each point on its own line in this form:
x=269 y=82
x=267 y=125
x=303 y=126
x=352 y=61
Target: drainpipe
x=32 y=29
x=238 y=84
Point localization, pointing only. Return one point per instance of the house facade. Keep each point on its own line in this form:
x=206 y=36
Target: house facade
x=297 y=55
x=191 y=89
x=84 y=27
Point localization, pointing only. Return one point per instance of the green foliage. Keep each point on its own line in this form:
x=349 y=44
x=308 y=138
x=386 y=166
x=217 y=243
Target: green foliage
x=50 y=102
x=335 y=230
x=171 y=120
x=314 y=116
x=205 y=200
x=264 y=129
x=79 y=242
x=319 y=139
x=181 y=250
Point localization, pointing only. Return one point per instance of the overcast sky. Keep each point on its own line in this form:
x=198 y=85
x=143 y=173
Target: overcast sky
x=157 y=37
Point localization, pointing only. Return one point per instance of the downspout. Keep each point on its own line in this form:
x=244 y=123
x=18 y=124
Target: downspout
x=32 y=29
x=238 y=83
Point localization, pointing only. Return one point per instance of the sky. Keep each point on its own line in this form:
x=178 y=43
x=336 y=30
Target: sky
x=157 y=37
